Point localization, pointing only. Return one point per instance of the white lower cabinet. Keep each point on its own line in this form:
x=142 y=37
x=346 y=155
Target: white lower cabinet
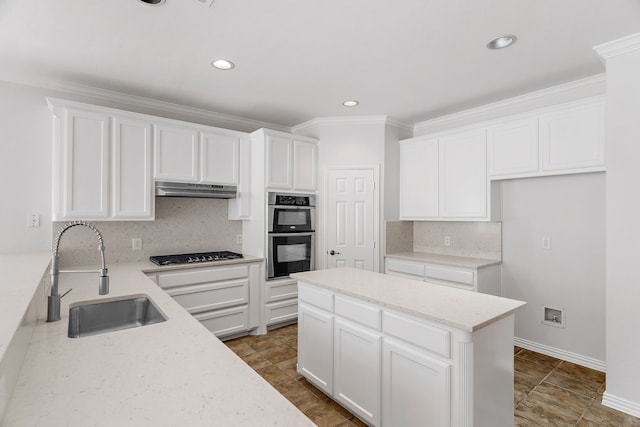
x=487 y=280
x=416 y=388
x=357 y=369
x=392 y=369
x=280 y=301
x=315 y=350
x=224 y=299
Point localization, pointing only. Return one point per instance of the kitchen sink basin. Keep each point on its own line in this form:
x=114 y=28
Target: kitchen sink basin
x=92 y=318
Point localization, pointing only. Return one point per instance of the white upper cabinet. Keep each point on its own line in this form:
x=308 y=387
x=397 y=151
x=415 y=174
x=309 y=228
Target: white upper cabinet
x=444 y=178
x=573 y=137
x=176 y=153
x=132 y=169
x=220 y=158
x=512 y=147
x=419 y=179
x=291 y=162
x=463 y=175
x=279 y=162
x=101 y=164
x=304 y=165
x=84 y=149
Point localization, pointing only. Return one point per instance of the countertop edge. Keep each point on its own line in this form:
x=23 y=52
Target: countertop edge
x=447 y=260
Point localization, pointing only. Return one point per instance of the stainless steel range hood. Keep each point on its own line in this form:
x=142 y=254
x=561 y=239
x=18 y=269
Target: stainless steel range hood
x=202 y=191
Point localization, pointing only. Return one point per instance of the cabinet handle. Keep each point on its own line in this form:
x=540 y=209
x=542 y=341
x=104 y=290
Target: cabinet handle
x=332 y=252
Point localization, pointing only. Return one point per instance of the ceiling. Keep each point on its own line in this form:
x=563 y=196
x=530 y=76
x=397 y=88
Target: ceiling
x=299 y=59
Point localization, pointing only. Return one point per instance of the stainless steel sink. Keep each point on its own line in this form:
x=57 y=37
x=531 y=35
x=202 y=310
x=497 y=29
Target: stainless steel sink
x=92 y=318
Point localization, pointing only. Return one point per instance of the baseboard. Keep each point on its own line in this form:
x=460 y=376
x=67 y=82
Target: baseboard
x=578 y=359
x=620 y=404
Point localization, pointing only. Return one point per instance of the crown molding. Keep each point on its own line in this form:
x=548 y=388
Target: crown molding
x=340 y=120
x=597 y=83
x=220 y=119
x=618 y=47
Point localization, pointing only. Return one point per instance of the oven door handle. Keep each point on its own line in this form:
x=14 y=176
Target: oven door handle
x=291 y=207
x=312 y=233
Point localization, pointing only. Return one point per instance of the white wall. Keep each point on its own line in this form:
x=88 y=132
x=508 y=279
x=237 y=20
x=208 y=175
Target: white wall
x=570 y=210
x=623 y=225
x=345 y=142
x=25 y=168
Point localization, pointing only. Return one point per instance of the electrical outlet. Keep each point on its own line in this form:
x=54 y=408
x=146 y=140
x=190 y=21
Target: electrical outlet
x=447 y=240
x=239 y=239
x=33 y=220
x=136 y=244
x=546 y=243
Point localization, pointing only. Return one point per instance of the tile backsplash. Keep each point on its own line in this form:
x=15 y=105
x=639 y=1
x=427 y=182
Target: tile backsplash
x=181 y=225
x=468 y=239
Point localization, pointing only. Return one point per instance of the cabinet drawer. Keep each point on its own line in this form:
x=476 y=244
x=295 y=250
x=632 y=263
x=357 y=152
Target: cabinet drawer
x=360 y=312
x=404 y=267
x=449 y=274
x=432 y=338
x=211 y=296
x=226 y=322
x=277 y=291
x=319 y=298
x=281 y=311
x=201 y=275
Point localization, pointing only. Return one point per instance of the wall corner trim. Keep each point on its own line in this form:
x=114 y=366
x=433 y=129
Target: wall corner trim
x=619 y=46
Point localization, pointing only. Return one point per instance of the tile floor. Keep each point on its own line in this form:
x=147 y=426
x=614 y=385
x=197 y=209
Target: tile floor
x=547 y=391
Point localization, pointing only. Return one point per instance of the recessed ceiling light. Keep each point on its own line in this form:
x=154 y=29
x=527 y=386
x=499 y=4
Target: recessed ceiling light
x=154 y=2
x=223 y=64
x=350 y=103
x=502 y=42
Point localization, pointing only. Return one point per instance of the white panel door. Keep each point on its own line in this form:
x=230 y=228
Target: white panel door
x=357 y=368
x=279 y=163
x=416 y=388
x=219 y=158
x=351 y=218
x=573 y=138
x=176 y=153
x=86 y=165
x=315 y=349
x=512 y=147
x=132 y=182
x=463 y=175
x=419 y=179
x=304 y=166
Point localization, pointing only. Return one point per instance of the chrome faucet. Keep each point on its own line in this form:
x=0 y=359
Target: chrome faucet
x=53 y=303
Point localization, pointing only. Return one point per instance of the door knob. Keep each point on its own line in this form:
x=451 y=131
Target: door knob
x=332 y=252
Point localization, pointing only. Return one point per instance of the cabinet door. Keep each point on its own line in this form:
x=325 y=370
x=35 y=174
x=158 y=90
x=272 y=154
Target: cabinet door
x=85 y=145
x=315 y=346
x=419 y=179
x=176 y=153
x=304 y=165
x=512 y=147
x=132 y=189
x=463 y=175
x=416 y=388
x=279 y=162
x=357 y=360
x=573 y=138
x=219 y=158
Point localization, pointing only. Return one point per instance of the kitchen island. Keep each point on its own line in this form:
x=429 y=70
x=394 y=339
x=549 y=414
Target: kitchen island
x=172 y=373
x=396 y=351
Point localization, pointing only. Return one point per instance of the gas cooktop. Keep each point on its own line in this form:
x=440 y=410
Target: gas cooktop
x=194 y=257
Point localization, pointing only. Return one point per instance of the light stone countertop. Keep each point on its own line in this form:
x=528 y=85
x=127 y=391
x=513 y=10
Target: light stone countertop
x=448 y=260
x=20 y=275
x=458 y=308
x=174 y=373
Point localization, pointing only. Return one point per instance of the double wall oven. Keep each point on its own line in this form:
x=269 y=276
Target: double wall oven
x=291 y=225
